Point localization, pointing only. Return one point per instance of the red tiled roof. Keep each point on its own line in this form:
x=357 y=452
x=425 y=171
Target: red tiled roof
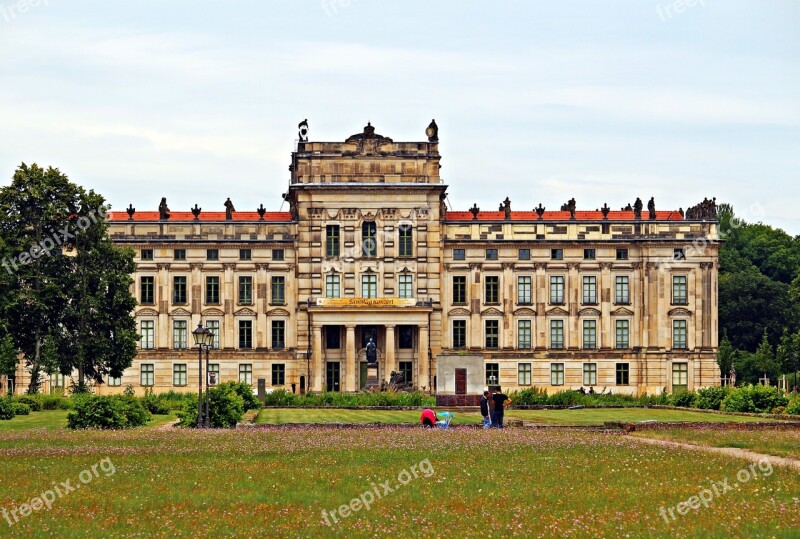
x=561 y=216
x=273 y=216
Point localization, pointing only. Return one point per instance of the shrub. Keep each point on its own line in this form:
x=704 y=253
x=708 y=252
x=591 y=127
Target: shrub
x=6 y=409
x=710 y=398
x=738 y=400
x=531 y=396
x=565 y=398
x=684 y=399
x=54 y=402
x=765 y=398
x=794 y=406
x=155 y=405
x=245 y=391
x=20 y=408
x=778 y=410
x=226 y=408
x=280 y=397
x=107 y=412
x=34 y=403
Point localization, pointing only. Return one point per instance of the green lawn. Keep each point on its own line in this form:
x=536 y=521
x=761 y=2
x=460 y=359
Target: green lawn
x=57 y=419
x=581 y=417
x=470 y=483
x=783 y=443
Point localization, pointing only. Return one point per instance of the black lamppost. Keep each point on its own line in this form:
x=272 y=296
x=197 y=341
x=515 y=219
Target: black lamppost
x=203 y=339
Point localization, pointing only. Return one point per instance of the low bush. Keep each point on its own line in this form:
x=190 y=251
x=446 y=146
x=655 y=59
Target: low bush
x=532 y=396
x=411 y=399
x=684 y=399
x=107 y=412
x=34 y=403
x=155 y=405
x=710 y=398
x=280 y=397
x=738 y=400
x=245 y=391
x=794 y=406
x=175 y=400
x=20 y=408
x=6 y=409
x=226 y=408
x=765 y=398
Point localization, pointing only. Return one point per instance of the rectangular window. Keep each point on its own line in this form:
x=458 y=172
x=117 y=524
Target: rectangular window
x=406 y=241
x=147 y=374
x=114 y=381
x=147 y=254
x=333 y=337
x=557 y=289
x=278 y=374
x=524 y=290
x=245 y=290
x=278 y=334
x=212 y=254
x=245 y=334
x=590 y=334
x=459 y=254
x=278 y=255
x=679 y=296
x=246 y=373
x=369 y=286
x=147 y=290
x=589 y=254
x=278 y=288
x=679 y=332
x=245 y=254
x=179 y=290
x=492 y=333
x=213 y=326
x=369 y=239
x=557 y=254
x=557 y=334
x=622 y=254
x=623 y=374
x=680 y=377
x=179 y=254
x=406 y=286
x=589 y=374
x=405 y=337
x=332 y=240
x=179 y=334
x=524 y=254
x=492 y=289
x=179 y=374
x=459 y=333
x=679 y=253
x=623 y=296
x=460 y=289
x=623 y=334
x=524 y=334
x=589 y=290
x=212 y=290
x=524 y=374
x=148 y=334
x=332 y=286
x=407 y=368
x=491 y=254
x=556 y=374
x=492 y=374
x=213 y=374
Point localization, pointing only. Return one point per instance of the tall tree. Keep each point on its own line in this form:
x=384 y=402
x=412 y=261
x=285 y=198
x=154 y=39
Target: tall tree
x=726 y=355
x=765 y=359
x=34 y=210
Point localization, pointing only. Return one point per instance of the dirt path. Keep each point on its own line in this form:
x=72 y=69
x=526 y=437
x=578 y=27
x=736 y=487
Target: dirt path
x=730 y=451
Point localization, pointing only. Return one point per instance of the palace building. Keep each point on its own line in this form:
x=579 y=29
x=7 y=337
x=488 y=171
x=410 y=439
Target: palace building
x=455 y=300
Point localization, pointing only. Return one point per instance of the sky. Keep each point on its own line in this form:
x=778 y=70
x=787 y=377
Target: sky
x=540 y=101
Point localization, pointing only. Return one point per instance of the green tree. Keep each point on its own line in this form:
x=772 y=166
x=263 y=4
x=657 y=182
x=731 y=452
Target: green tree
x=765 y=360
x=33 y=211
x=9 y=357
x=726 y=355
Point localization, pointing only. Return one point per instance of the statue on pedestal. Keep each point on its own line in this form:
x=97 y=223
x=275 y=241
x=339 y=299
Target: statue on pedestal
x=372 y=352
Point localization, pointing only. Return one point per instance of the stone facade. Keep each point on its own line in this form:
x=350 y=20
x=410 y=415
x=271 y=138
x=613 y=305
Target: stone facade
x=622 y=300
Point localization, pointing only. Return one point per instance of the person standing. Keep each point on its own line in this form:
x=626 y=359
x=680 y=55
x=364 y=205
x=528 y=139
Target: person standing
x=500 y=402
x=487 y=420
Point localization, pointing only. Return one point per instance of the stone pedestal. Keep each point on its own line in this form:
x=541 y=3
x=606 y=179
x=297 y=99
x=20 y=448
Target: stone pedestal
x=372 y=376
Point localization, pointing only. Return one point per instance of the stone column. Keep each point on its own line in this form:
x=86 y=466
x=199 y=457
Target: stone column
x=350 y=359
x=390 y=363
x=422 y=370
x=317 y=364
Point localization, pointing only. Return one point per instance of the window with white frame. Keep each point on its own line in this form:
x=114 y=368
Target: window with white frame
x=213 y=326
x=680 y=377
x=147 y=374
x=246 y=373
x=557 y=289
x=589 y=374
x=332 y=284
x=590 y=334
x=179 y=374
x=622 y=334
x=679 y=293
x=623 y=295
x=115 y=381
x=492 y=333
x=524 y=334
x=459 y=333
x=679 y=334
x=369 y=286
x=589 y=290
x=147 y=329
x=179 y=334
x=557 y=334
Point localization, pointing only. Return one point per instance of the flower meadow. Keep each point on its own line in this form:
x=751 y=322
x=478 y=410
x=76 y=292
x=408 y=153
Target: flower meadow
x=275 y=482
